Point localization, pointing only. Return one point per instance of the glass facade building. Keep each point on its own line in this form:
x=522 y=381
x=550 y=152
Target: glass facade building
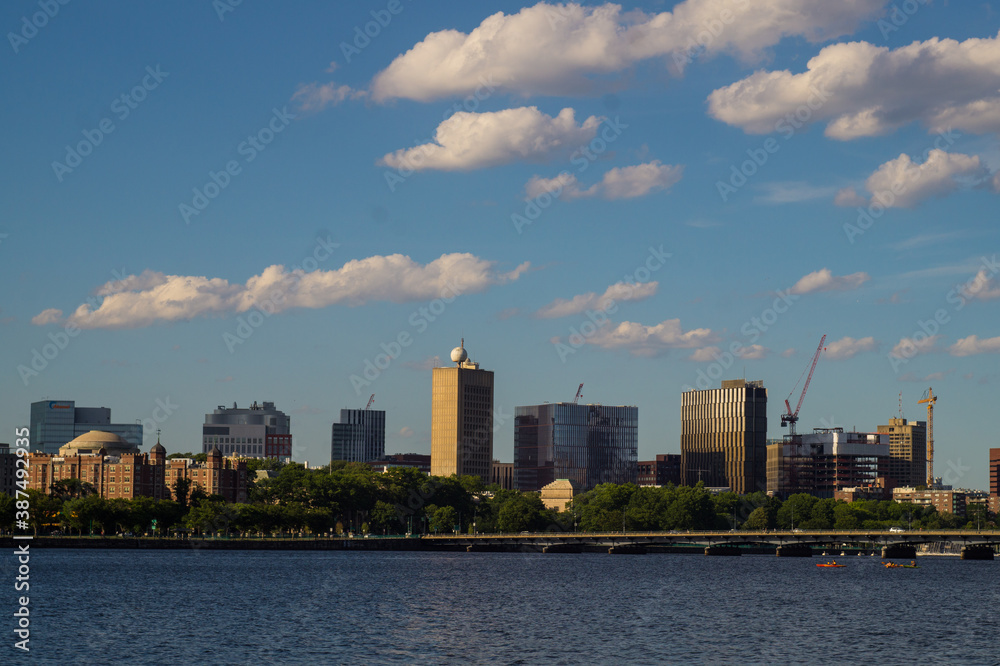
x=359 y=437
x=56 y=422
x=587 y=444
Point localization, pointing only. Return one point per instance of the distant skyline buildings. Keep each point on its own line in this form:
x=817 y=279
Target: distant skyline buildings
x=359 y=436
x=586 y=444
x=907 y=451
x=724 y=436
x=54 y=423
x=462 y=418
x=825 y=461
x=257 y=431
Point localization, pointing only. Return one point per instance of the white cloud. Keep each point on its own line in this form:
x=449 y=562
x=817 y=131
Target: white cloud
x=753 y=352
x=849 y=197
x=902 y=183
x=616 y=293
x=861 y=89
x=909 y=347
x=788 y=353
x=406 y=431
x=618 y=183
x=983 y=287
x=49 y=316
x=973 y=345
x=571 y=50
x=316 y=96
x=824 y=280
x=706 y=354
x=792 y=192
x=155 y=297
x=466 y=141
x=849 y=347
x=642 y=340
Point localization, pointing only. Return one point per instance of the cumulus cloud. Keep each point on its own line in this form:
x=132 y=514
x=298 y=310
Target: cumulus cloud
x=154 y=297
x=642 y=340
x=982 y=287
x=860 y=90
x=903 y=183
x=317 y=96
x=909 y=347
x=972 y=345
x=788 y=353
x=569 y=49
x=706 y=354
x=616 y=293
x=753 y=352
x=618 y=183
x=849 y=347
x=824 y=280
x=49 y=316
x=850 y=198
x=466 y=141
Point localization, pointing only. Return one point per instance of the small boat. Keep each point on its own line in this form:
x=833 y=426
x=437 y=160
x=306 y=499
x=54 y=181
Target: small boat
x=829 y=564
x=893 y=565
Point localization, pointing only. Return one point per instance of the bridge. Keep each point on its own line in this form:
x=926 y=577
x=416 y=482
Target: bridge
x=975 y=544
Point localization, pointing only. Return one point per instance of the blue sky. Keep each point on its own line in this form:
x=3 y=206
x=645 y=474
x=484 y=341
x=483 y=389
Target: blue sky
x=809 y=167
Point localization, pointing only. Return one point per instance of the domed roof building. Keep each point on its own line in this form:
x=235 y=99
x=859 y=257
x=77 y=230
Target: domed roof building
x=94 y=442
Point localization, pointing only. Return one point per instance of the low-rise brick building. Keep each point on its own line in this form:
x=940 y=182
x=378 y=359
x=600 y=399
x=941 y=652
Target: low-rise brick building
x=116 y=469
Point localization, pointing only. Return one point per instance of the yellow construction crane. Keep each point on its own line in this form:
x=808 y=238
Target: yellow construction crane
x=930 y=399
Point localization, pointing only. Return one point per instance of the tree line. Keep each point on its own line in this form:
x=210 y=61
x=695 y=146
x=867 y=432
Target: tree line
x=351 y=498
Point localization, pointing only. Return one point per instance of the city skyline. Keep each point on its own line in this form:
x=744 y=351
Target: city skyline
x=323 y=216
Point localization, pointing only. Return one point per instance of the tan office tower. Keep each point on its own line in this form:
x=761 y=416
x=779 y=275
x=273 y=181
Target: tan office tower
x=462 y=418
x=907 y=451
x=724 y=436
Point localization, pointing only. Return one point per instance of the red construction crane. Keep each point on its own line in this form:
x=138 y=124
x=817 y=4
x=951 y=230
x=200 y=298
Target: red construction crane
x=790 y=418
x=579 y=392
x=370 y=401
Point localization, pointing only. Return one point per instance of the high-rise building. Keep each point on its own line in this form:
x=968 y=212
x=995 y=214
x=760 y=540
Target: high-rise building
x=260 y=431
x=360 y=435
x=587 y=444
x=56 y=422
x=503 y=475
x=994 y=471
x=826 y=461
x=723 y=436
x=907 y=451
x=8 y=471
x=462 y=418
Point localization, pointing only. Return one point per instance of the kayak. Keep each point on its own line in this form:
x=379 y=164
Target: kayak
x=830 y=565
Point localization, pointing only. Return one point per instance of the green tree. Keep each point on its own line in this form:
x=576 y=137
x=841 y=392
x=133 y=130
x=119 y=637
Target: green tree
x=759 y=519
x=443 y=519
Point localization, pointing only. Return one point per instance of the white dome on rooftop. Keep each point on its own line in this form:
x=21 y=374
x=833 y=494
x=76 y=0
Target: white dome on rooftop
x=458 y=354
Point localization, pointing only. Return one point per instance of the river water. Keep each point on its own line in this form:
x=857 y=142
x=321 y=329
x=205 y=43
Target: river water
x=160 y=607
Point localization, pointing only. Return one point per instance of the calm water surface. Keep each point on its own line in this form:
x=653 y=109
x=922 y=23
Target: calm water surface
x=334 y=607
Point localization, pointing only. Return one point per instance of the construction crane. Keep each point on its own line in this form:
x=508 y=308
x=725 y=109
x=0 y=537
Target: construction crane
x=370 y=401
x=930 y=399
x=579 y=392
x=790 y=418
